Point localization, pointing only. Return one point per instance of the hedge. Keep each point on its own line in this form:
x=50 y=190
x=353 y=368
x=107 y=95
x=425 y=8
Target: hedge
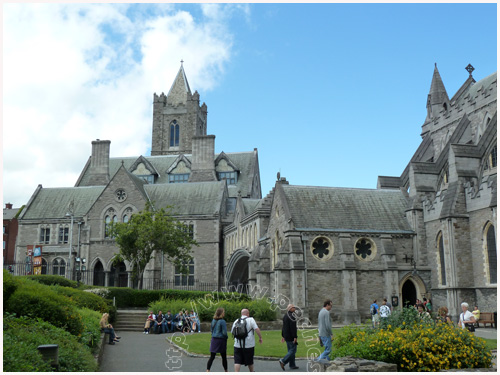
x=9 y=287
x=82 y=298
x=128 y=297
x=260 y=309
x=51 y=280
x=22 y=336
x=39 y=301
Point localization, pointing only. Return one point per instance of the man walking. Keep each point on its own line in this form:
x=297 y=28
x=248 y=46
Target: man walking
x=244 y=340
x=289 y=335
x=325 y=329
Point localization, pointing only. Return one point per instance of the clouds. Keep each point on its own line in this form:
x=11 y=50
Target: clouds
x=77 y=72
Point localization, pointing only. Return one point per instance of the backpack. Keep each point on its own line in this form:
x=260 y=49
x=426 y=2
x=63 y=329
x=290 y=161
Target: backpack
x=240 y=330
x=373 y=310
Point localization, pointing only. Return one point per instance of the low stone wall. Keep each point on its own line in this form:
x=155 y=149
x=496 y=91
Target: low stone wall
x=351 y=364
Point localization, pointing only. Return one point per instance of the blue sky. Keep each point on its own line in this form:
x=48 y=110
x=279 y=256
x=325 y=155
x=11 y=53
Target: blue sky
x=329 y=94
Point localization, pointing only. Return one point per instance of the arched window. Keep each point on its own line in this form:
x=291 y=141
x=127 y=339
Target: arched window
x=491 y=249
x=440 y=246
x=44 y=267
x=99 y=274
x=59 y=267
x=174 y=134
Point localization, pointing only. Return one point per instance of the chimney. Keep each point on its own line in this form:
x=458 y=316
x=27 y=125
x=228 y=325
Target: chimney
x=99 y=163
x=202 y=164
x=8 y=206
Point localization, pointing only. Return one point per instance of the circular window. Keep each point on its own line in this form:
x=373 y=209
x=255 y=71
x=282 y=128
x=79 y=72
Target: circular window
x=365 y=249
x=322 y=248
x=120 y=195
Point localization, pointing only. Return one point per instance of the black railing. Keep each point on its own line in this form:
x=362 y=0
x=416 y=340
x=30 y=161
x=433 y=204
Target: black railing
x=107 y=278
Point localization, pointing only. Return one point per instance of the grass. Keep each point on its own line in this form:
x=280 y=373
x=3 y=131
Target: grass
x=271 y=344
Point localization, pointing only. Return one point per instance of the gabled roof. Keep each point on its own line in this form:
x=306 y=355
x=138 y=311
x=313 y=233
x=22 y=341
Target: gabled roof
x=147 y=165
x=52 y=203
x=245 y=162
x=346 y=209
x=196 y=198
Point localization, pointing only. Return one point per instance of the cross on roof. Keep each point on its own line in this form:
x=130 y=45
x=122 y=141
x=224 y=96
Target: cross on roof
x=470 y=69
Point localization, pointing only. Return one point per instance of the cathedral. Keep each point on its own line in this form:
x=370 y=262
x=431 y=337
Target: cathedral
x=430 y=232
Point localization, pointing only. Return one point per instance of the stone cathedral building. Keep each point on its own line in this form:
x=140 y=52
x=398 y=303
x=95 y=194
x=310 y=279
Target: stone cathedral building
x=430 y=232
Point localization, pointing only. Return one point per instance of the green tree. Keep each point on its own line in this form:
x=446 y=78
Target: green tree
x=152 y=232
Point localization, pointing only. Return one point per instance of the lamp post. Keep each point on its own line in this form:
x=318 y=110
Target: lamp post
x=70 y=214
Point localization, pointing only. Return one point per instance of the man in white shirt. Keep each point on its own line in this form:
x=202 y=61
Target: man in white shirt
x=244 y=348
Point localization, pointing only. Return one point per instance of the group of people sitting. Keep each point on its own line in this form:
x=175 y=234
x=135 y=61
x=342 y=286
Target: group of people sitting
x=165 y=323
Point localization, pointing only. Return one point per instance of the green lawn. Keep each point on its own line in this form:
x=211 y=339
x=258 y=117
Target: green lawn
x=271 y=344
x=199 y=343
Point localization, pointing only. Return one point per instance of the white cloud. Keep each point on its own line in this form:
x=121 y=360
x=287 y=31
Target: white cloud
x=77 y=72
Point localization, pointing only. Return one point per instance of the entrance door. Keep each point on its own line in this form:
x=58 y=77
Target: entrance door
x=409 y=293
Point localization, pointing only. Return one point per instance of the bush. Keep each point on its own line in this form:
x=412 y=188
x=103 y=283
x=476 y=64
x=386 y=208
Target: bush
x=39 y=301
x=82 y=298
x=22 y=336
x=128 y=297
x=52 y=280
x=260 y=309
x=9 y=286
x=417 y=347
x=91 y=329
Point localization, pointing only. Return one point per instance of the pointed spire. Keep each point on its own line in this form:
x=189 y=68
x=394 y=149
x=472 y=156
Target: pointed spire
x=437 y=100
x=437 y=92
x=180 y=87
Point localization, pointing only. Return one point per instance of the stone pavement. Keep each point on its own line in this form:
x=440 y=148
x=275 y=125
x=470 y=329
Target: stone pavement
x=137 y=352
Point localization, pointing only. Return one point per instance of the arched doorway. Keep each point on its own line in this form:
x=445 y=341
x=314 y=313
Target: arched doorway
x=98 y=274
x=409 y=293
x=237 y=271
x=118 y=275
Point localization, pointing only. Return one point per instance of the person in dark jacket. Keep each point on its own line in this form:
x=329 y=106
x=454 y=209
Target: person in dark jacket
x=289 y=335
x=218 y=344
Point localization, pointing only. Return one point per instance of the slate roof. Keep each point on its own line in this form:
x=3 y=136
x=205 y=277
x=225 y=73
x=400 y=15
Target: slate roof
x=196 y=198
x=346 y=209
x=9 y=214
x=245 y=161
x=52 y=203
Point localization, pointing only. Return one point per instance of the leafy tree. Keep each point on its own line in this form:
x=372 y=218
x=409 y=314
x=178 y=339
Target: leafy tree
x=151 y=232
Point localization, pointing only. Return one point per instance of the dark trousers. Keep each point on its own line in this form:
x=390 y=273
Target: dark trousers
x=212 y=357
x=290 y=356
x=168 y=327
x=111 y=332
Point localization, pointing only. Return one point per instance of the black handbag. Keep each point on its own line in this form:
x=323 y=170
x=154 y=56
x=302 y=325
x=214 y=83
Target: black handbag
x=470 y=327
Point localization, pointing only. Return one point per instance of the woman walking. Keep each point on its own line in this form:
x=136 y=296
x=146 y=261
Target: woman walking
x=218 y=344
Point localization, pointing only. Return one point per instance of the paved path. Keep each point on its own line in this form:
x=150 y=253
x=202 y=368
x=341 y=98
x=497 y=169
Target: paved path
x=137 y=352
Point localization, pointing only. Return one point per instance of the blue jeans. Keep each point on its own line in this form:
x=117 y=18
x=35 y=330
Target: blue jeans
x=290 y=356
x=167 y=328
x=161 y=328
x=111 y=332
x=327 y=343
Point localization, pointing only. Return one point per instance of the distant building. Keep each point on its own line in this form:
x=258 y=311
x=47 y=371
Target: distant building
x=430 y=232
x=10 y=226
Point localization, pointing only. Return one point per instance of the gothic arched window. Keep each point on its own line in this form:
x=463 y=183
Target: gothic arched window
x=174 y=134
x=491 y=249
x=440 y=246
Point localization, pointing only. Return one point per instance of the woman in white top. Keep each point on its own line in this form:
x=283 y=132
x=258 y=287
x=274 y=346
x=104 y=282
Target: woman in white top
x=466 y=316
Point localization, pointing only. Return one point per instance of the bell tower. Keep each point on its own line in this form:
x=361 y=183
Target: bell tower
x=177 y=118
